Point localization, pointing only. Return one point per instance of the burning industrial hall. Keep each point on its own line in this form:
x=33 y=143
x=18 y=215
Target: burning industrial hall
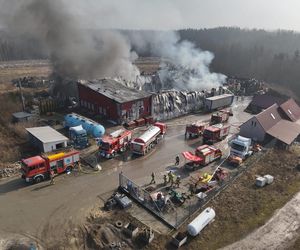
x=119 y=139
x=173 y=152
x=157 y=151
x=165 y=144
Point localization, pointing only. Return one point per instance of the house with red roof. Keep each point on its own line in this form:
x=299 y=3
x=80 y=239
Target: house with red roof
x=280 y=122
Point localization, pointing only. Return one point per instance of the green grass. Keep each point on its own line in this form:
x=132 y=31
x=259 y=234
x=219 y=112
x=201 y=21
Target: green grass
x=242 y=207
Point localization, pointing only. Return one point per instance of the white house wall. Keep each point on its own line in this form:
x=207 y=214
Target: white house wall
x=252 y=129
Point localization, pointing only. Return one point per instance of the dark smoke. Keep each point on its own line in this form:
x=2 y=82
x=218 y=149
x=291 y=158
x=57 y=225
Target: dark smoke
x=79 y=52
x=74 y=52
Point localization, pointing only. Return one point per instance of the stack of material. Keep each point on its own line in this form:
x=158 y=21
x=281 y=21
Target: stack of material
x=173 y=103
x=262 y=181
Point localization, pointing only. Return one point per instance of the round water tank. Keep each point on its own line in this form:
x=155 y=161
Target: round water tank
x=201 y=221
x=85 y=125
x=98 y=131
x=68 y=121
x=76 y=121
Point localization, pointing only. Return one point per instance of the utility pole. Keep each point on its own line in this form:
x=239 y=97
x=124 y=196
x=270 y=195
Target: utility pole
x=21 y=93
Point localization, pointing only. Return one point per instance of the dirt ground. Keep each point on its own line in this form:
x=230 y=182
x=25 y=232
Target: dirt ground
x=11 y=144
x=101 y=230
x=278 y=233
x=17 y=69
x=242 y=207
x=148 y=65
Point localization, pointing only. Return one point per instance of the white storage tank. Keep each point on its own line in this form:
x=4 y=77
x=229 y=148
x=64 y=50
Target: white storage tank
x=201 y=221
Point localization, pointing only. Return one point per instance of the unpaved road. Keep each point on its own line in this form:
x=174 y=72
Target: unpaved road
x=279 y=232
x=45 y=212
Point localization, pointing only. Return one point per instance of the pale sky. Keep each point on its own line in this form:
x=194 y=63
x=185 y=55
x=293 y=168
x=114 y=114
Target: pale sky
x=174 y=14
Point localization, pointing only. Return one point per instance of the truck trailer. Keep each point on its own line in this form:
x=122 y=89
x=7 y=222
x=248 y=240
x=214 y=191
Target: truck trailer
x=218 y=102
x=144 y=143
x=37 y=168
x=116 y=142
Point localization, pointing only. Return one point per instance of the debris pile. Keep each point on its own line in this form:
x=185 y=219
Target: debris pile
x=31 y=82
x=107 y=235
x=174 y=103
x=244 y=86
x=10 y=170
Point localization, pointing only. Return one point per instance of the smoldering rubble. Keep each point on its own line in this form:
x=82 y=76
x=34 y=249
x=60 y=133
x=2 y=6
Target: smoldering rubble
x=174 y=103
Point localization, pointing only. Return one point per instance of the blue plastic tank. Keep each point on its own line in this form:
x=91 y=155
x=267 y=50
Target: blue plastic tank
x=92 y=128
x=98 y=131
x=69 y=120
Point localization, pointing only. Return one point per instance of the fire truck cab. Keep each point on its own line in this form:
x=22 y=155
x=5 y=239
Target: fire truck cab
x=117 y=141
x=195 y=129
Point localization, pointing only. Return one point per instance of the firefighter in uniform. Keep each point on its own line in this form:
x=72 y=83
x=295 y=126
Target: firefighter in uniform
x=177 y=159
x=191 y=188
x=178 y=181
x=165 y=180
x=152 y=178
x=51 y=177
x=171 y=178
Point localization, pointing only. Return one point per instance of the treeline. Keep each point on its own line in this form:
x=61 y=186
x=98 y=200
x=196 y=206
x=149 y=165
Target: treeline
x=21 y=48
x=270 y=56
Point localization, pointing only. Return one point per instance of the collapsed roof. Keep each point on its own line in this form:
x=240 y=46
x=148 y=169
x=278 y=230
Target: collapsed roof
x=115 y=90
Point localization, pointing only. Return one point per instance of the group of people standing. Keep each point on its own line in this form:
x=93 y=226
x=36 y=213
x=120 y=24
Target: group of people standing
x=170 y=177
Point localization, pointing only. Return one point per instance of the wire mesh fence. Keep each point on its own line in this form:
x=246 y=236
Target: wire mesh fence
x=175 y=208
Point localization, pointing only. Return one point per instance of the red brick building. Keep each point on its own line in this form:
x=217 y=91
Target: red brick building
x=114 y=101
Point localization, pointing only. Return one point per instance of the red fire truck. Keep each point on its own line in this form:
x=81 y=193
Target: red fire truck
x=115 y=142
x=37 y=168
x=203 y=155
x=215 y=133
x=143 y=144
x=221 y=116
x=195 y=129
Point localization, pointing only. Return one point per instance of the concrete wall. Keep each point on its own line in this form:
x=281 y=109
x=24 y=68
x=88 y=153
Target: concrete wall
x=252 y=129
x=46 y=147
x=36 y=143
x=51 y=146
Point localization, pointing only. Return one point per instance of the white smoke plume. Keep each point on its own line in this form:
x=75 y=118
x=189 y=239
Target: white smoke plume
x=187 y=67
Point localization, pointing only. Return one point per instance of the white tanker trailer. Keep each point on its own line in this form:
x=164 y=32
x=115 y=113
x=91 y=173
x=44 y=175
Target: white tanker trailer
x=143 y=144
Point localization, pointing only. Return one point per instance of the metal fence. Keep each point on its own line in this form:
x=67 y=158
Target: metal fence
x=175 y=215
x=141 y=196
